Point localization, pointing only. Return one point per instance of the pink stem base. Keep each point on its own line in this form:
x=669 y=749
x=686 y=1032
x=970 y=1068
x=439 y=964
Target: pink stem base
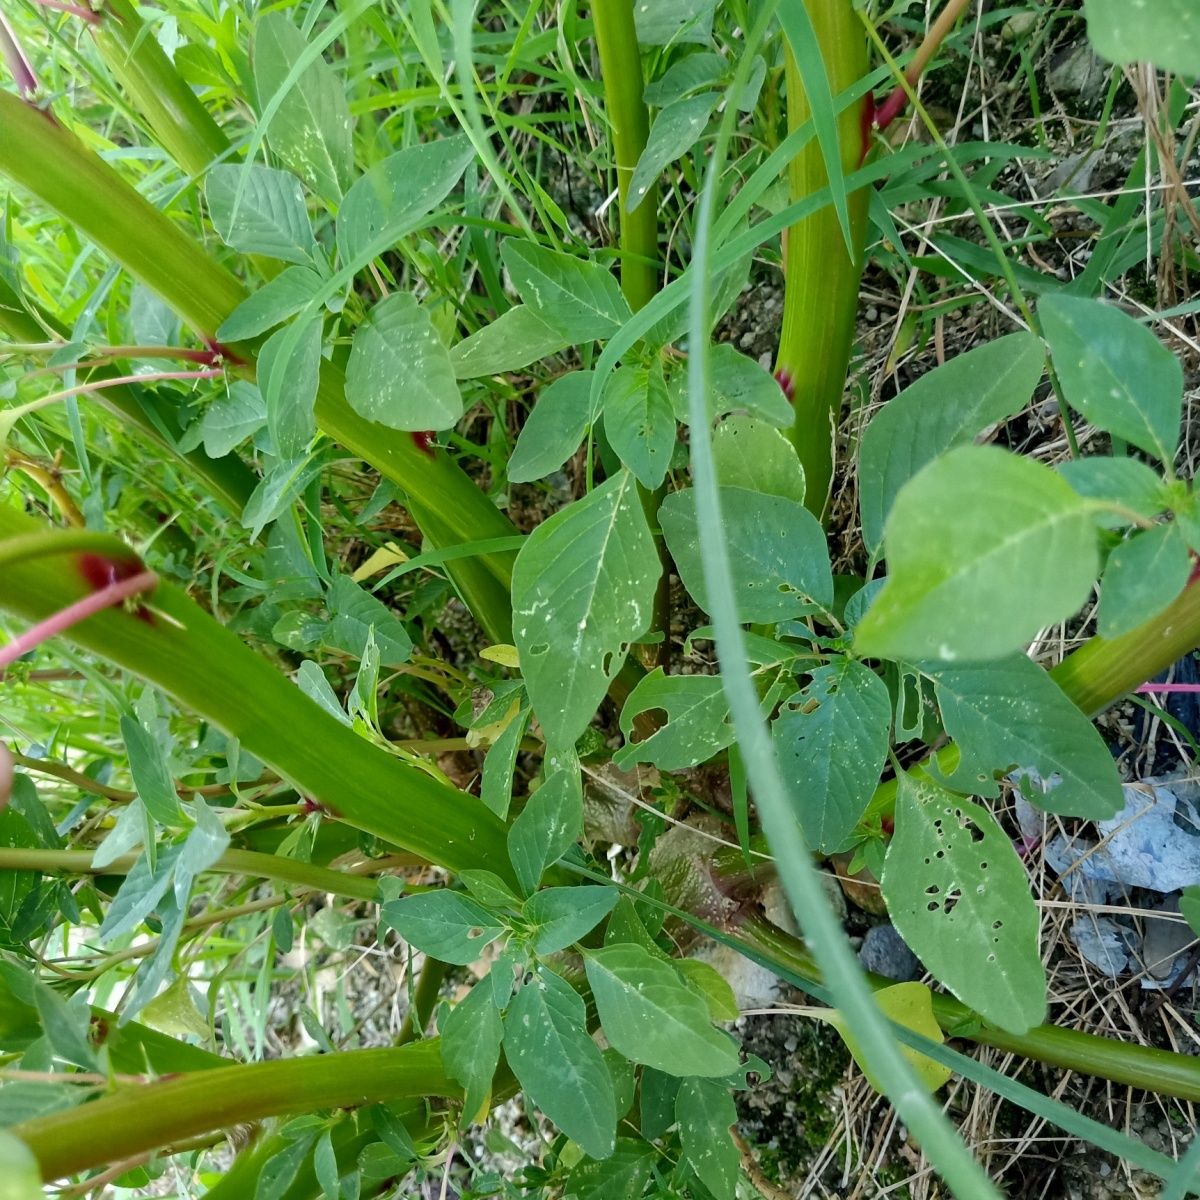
x=106 y=597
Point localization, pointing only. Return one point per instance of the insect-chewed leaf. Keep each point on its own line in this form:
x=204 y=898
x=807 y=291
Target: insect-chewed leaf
x=652 y=1017
x=776 y=547
x=946 y=407
x=1010 y=713
x=1116 y=372
x=312 y=129
x=832 y=742
x=960 y=898
x=698 y=724
x=399 y=372
x=583 y=589
x=983 y=549
x=445 y=925
x=752 y=454
x=558 y=1065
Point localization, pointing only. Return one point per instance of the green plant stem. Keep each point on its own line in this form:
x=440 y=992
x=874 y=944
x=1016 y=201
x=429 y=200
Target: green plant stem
x=179 y=122
x=821 y=276
x=142 y=1118
x=424 y=1001
x=1147 y=1067
x=43 y=157
x=302 y=875
x=629 y=122
x=178 y=647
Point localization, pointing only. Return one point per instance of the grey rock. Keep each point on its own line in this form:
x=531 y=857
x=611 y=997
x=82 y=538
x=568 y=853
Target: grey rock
x=1101 y=942
x=1163 y=941
x=884 y=953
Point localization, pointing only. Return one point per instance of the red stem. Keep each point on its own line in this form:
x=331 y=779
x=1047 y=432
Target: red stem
x=6 y=776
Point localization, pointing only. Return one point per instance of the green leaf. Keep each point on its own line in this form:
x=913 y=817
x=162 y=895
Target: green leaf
x=489 y=889
x=280 y=1170
x=657 y=1103
x=697 y=723
x=712 y=985
x=558 y=1065
x=445 y=925
x=832 y=741
x=959 y=897
x=675 y=131
x=707 y=1116
x=151 y=772
x=65 y=1025
x=20 y=1177
x=277 y=489
x=399 y=372
x=355 y=613
x=639 y=421
x=325 y=1167
x=554 y=428
x=1115 y=372
x=751 y=454
x=511 y=342
x=1143 y=575
x=685 y=75
x=471 y=1036
x=549 y=824
x=396 y=195
x=581 y=300
x=1189 y=906
x=621 y=1176
x=661 y=22
x=1163 y=32
x=652 y=1017
x=275 y=301
x=259 y=210
x=563 y=915
x=946 y=407
x=289 y=371
x=583 y=589
x=776 y=547
x=1127 y=482
x=1011 y=714
x=15 y=886
x=983 y=550
x=496 y=784
x=737 y=384
x=228 y=421
x=312 y=129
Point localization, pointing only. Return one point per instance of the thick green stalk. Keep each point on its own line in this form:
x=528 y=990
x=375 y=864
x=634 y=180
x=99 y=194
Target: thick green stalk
x=179 y=122
x=302 y=875
x=821 y=276
x=178 y=647
x=138 y=1119
x=1140 y=1066
x=629 y=125
x=40 y=155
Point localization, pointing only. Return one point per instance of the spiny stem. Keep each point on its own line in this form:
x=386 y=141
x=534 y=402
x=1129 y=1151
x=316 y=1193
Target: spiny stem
x=106 y=597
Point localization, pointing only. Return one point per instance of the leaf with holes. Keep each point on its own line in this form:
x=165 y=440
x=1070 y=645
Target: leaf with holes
x=1116 y=372
x=777 y=550
x=1011 y=714
x=554 y=428
x=312 y=129
x=579 y=299
x=399 y=372
x=1163 y=32
x=832 y=741
x=1142 y=576
x=697 y=726
x=959 y=897
x=558 y=1065
x=396 y=195
x=640 y=422
x=583 y=589
x=738 y=384
x=983 y=550
x=259 y=210
x=751 y=454
x=511 y=342
x=445 y=925
x=652 y=1017
x=946 y=407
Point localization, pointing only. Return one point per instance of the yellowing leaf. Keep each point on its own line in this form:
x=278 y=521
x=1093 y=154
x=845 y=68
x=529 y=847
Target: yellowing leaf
x=388 y=555
x=486 y=735
x=503 y=654
x=910 y=1005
